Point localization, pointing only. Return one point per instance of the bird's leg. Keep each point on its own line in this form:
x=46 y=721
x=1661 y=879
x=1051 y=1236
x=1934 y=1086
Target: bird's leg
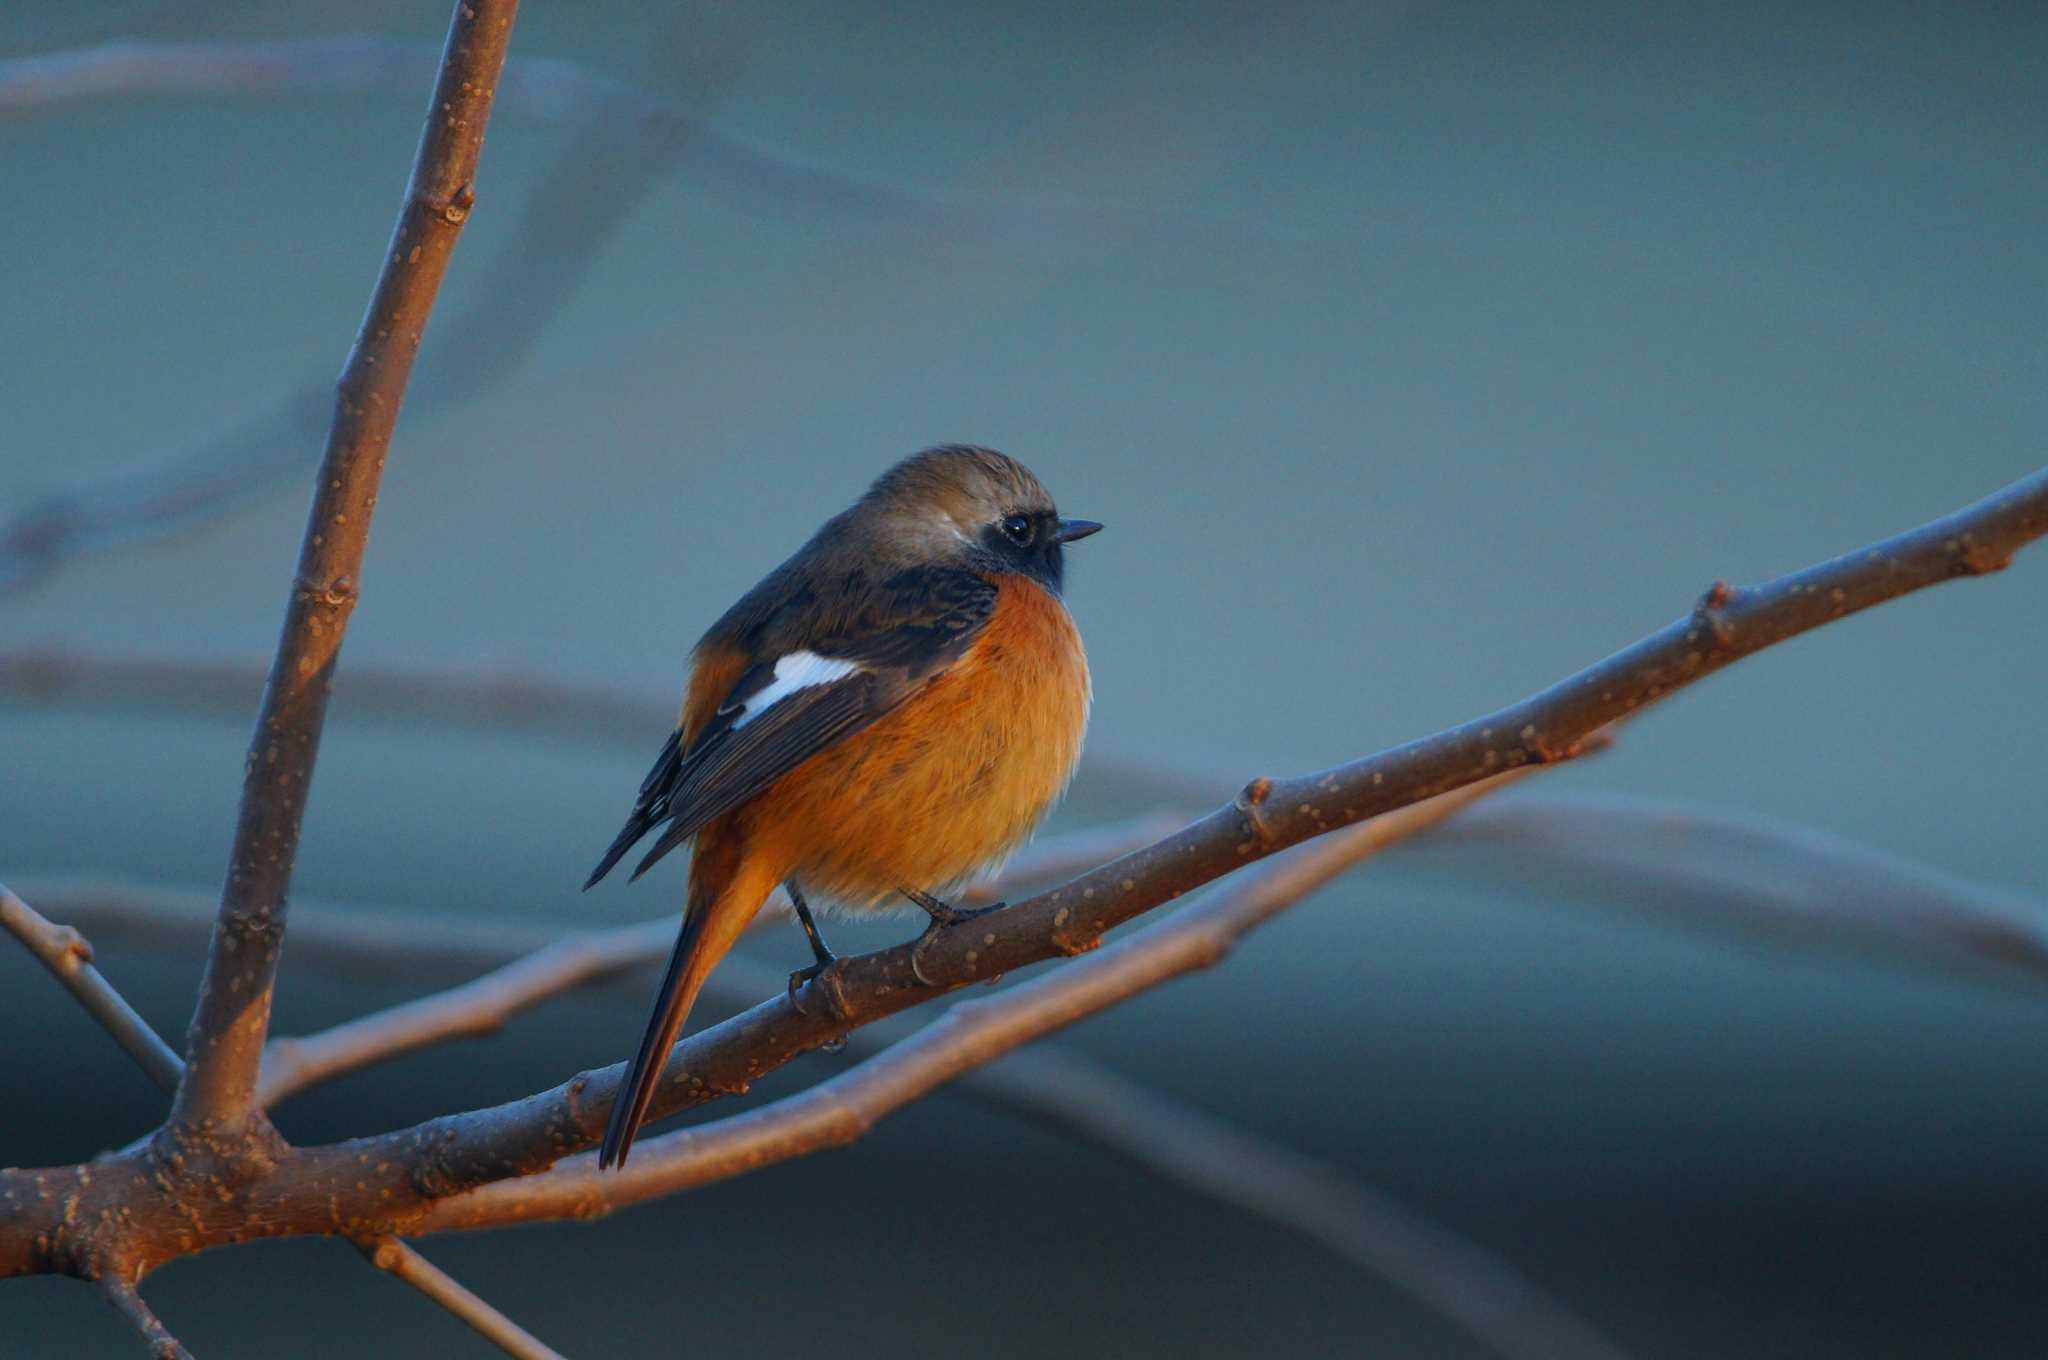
x=943 y=914
x=824 y=956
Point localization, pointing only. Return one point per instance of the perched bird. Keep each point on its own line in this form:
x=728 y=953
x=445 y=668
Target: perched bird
x=890 y=710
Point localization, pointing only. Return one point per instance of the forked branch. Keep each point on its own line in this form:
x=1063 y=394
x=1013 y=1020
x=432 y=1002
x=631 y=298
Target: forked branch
x=64 y=951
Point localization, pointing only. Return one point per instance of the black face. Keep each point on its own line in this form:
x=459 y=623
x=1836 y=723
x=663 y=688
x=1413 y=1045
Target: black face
x=1027 y=542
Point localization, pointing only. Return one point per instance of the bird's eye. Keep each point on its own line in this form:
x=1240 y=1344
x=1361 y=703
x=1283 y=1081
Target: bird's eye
x=1017 y=529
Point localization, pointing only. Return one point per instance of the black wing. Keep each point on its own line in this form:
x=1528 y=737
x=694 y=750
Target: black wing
x=895 y=642
x=649 y=810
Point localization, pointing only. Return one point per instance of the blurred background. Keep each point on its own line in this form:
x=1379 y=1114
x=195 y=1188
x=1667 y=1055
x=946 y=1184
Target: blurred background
x=1414 y=354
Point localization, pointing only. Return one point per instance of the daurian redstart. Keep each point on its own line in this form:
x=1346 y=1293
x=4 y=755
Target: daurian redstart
x=887 y=712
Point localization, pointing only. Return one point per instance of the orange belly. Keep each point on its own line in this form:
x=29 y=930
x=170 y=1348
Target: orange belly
x=948 y=783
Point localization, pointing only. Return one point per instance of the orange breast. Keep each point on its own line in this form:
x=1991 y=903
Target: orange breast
x=954 y=779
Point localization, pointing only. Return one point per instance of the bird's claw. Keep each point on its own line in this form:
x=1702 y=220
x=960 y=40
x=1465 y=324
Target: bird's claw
x=953 y=916
x=801 y=976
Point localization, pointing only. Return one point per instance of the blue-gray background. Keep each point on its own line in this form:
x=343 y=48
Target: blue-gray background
x=1415 y=355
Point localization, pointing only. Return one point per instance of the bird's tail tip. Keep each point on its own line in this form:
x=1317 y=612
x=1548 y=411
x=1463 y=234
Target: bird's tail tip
x=618 y=1133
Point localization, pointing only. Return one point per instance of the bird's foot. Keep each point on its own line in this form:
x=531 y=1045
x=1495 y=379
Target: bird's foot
x=804 y=975
x=944 y=917
x=829 y=977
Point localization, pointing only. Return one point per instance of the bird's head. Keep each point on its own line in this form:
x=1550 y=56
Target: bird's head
x=974 y=506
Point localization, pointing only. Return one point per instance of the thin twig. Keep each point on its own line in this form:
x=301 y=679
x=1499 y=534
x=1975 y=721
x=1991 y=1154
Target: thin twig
x=484 y=1005
x=493 y=700
x=1153 y=1132
x=1477 y=1288
x=499 y=702
x=232 y=1017
x=1784 y=885
x=479 y=1007
x=127 y=1301
x=791 y=191
x=626 y=137
x=398 y=1258
x=972 y=1033
x=68 y=956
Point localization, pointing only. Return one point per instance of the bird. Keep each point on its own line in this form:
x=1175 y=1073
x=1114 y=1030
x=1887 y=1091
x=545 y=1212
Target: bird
x=887 y=713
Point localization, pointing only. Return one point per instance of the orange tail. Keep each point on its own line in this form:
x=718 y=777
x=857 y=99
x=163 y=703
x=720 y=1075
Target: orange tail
x=706 y=937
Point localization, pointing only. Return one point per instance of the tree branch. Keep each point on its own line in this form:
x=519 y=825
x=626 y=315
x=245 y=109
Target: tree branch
x=231 y=1020
x=127 y=1301
x=1478 y=1289
x=626 y=137
x=1475 y=1288
x=66 y=954
x=972 y=1033
x=483 y=1005
x=497 y=702
x=397 y=1258
x=1785 y=885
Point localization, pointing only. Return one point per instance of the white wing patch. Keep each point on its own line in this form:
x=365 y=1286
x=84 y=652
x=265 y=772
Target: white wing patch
x=797 y=670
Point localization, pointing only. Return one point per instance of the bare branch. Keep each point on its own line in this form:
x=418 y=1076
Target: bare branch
x=627 y=136
x=498 y=702
x=1478 y=1289
x=522 y=703
x=968 y=1035
x=232 y=1017
x=1171 y=1139
x=402 y=1260
x=979 y=225
x=560 y=236
x=66 y=954
x=127 y=1301
x=483 y=1005
x=1783 y=885
x=475 y=1008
